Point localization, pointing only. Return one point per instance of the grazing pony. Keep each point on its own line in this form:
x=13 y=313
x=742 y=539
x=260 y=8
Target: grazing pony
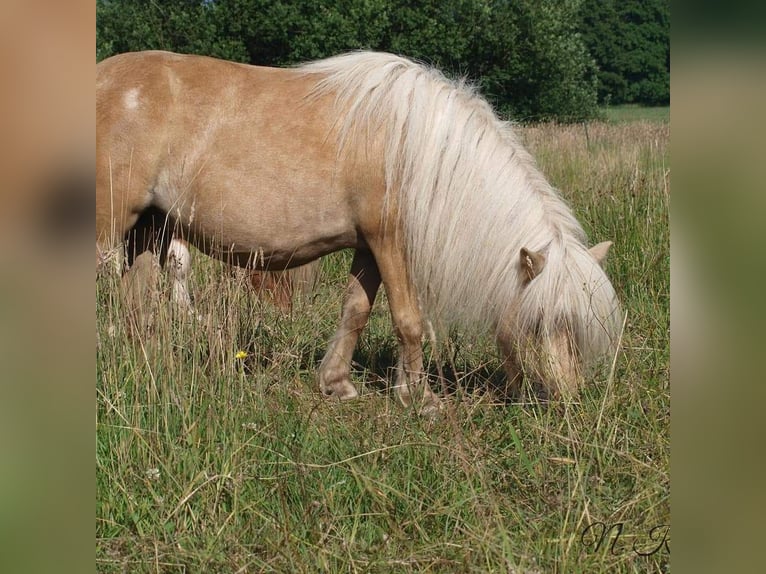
x=273 y=168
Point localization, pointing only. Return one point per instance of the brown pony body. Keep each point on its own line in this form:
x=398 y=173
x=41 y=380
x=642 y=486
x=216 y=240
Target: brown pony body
x=262 y=167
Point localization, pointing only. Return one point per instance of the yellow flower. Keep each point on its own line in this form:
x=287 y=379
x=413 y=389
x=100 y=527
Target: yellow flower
x=241 y=355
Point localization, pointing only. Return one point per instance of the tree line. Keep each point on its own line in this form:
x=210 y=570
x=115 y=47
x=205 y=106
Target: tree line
x=534 y=59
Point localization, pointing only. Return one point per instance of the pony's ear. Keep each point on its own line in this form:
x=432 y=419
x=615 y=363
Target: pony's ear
x=599 y=251
x=532 y=262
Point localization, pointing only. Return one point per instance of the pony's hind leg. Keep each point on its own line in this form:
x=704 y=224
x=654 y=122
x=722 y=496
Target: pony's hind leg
x=411 y=384
x=179 y=266
x=335 y=369
x=152 y=238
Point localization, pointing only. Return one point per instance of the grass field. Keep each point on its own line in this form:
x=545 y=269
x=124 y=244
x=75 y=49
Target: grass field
x=210 y=463
x=633 y=113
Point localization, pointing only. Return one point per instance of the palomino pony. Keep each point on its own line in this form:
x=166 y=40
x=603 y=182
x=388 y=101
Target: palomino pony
x=273 y=168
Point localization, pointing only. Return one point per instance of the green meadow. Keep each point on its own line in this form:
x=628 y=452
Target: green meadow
x=634 y=113
x=215 y=451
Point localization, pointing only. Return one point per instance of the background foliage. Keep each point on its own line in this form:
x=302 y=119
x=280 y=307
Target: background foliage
x=630 y=40
x=534 y=59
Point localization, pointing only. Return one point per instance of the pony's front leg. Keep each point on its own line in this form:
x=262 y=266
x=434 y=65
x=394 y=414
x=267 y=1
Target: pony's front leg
x=335 y=369
x=411 y=384
x=178 y=263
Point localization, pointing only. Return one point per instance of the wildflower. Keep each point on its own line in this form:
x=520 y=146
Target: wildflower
x=152 y=473
x=241 y=355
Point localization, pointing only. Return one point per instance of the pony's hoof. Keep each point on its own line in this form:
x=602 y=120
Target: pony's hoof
x=340 y=390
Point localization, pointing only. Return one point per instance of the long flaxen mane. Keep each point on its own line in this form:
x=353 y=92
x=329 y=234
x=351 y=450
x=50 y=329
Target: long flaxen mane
x=469 y=198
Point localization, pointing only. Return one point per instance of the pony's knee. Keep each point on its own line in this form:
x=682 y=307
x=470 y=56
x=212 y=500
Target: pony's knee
x=356 y=307
x=409 y=328
x=356 y=302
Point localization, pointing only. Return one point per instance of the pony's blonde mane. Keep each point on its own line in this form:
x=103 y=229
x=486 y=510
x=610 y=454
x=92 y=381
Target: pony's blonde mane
x=469 y=198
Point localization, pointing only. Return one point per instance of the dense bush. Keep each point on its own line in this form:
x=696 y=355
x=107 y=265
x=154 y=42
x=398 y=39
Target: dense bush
x=528 y=56
x=630 y=40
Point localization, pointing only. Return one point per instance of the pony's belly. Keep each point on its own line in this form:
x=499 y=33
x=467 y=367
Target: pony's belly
x=267 y=254
x=250 y=228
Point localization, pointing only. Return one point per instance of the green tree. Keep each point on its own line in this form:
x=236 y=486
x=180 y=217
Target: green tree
x=527 y=55
x=441 y=33
x=177 y=25
x=533 y=62
x=630 y=41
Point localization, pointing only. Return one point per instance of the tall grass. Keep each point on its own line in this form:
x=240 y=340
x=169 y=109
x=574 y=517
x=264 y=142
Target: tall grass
x=206 y=462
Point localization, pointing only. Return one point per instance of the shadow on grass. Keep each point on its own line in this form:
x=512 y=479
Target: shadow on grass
x=376 y=371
